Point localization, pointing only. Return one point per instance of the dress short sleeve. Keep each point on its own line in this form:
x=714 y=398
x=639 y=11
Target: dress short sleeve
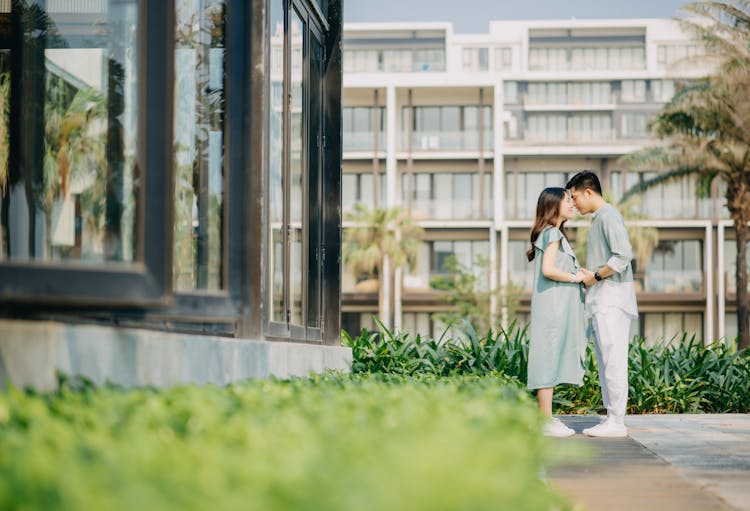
x=547 y=236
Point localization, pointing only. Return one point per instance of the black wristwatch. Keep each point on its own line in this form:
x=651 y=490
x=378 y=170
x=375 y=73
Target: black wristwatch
x=597 y=276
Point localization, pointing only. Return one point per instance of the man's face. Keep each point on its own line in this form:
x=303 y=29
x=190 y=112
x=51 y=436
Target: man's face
x=581 y=200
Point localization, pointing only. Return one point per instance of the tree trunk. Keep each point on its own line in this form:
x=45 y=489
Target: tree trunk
x=743 y=335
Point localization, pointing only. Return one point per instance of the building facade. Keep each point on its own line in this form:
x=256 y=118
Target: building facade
x=464 y=130
x=170 y=189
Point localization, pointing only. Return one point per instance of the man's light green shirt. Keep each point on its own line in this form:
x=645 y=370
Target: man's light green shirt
x=609 y=244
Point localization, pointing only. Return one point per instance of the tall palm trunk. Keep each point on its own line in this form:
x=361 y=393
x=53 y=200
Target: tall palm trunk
x=742 y=306
x=738 y=203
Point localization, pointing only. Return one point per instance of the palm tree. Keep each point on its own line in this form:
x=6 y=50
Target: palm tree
x=4 y=140
x=379 y=235
x=705 y=129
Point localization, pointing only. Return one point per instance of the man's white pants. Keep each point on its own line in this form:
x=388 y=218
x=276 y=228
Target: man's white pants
x=611 y=328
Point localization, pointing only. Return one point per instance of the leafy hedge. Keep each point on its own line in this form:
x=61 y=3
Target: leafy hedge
x=333 y=442
x=683 y=376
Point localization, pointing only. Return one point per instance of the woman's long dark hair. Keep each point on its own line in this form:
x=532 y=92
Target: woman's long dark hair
x=547 y=213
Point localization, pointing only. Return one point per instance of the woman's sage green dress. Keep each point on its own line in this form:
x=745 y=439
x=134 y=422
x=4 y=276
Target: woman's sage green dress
x=557 y=333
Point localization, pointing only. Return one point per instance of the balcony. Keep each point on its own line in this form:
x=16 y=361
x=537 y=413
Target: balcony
x=451 y=209
x=447 y=141
x=363 y=141
x=673 y=281
x=564 y=102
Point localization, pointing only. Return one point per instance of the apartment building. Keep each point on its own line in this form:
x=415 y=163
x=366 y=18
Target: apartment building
x=464 y=130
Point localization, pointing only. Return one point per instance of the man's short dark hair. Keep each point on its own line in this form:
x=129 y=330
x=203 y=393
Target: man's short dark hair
x=585 y=179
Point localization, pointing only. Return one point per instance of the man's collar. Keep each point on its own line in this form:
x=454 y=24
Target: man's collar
x=596 y=213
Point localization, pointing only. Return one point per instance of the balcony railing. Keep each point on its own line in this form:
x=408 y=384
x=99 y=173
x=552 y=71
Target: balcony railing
x=568 y=100
x=451 y=209
x=363 y=141
x=673 y=281
x=447 y=141
x=580 y=138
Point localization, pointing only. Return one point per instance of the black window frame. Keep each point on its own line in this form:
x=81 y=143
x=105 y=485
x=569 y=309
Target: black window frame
x=147 y=281
x=325 y=299
x=144 y=295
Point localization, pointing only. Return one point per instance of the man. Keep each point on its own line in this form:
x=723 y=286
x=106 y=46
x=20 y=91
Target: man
x=610 y=298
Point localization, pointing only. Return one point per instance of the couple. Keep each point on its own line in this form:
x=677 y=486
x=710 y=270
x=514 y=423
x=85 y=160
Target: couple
x=557 y=343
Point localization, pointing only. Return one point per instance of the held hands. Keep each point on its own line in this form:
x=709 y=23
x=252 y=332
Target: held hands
x=588 y=277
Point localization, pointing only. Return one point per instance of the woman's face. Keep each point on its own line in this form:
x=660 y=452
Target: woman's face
x=567 y=210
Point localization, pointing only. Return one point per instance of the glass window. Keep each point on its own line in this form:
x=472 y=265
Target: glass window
x=730 y=268
x=510 y=92
x=450 y=196
x=359 y=125
x=520 y=270
x=446 y=128
x=199 y=146
x=635 y=124
x=666 y=327
x=590 y=93
x=633 y=91
x=662 y=90
x=429 y=60
x=295 y=175
x=523 y=189
x=72 y=198
x=465 y=252
x=590 y=127
x=673 y=199
x=475 y=59
x=547 y=93
x=676 y=266
x=361 y=61
x=547 y=128
x=276 y=181
x=503 y=59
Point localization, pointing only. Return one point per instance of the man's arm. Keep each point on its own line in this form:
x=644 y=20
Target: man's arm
x=622 y=252
x=619 y=244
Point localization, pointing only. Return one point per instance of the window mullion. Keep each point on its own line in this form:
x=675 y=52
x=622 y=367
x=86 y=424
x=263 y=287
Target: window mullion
x=285 y=173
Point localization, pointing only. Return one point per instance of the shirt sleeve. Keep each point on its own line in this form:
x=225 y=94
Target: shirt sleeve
x=547 y=236
x=619 y=244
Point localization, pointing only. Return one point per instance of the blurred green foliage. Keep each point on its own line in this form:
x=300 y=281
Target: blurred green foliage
x=331 y=442
x=681 y=376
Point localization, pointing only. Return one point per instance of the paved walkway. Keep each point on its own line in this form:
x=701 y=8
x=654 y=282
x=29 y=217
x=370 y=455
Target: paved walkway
x=668 y=462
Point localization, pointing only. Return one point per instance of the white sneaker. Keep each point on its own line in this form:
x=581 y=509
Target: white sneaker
x=556 y=428
x=607 y=429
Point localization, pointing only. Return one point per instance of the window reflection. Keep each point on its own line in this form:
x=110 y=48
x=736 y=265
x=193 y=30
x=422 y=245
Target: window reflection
x=295 y=170
x=71 y=194
x=198 y=145
x=275 y=165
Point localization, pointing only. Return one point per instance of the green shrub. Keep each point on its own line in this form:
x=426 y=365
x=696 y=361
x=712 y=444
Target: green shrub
x=333 y=442
x=683 y=376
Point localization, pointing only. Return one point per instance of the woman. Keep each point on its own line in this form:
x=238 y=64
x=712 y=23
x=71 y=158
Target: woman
x=557 y=334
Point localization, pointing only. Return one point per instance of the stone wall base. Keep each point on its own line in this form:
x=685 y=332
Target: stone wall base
x=33 y=352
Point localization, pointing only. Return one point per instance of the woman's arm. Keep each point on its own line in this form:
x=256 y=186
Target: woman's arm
x=551 y=271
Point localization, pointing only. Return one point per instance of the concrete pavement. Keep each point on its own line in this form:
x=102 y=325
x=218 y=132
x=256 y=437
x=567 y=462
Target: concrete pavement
x=668 y=462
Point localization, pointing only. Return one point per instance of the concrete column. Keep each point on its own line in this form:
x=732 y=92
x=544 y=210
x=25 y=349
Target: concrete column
x=391 y=176
x=721 y=269
x=708 y=318
x=498 y=173
x=493 y=276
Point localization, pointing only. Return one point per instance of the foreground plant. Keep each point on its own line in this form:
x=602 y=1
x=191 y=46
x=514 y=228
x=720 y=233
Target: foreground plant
x=333 y=442
x=681 y=376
